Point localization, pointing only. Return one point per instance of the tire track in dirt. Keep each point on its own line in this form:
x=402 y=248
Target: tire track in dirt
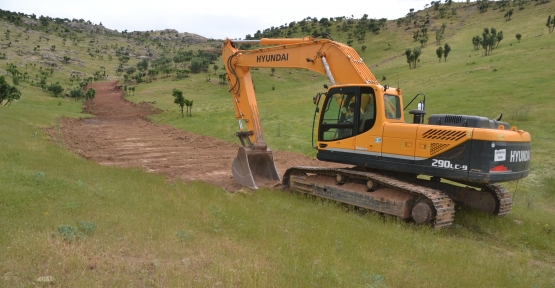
x=122 y=136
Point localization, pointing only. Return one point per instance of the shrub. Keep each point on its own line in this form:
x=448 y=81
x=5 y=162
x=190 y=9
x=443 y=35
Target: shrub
x=197 y=65
x=76 y=93
x=87 y=227
x=56 y=89
x=69 y=233
x=90 y=94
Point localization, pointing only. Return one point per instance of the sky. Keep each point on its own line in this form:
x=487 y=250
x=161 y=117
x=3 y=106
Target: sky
x=209 y=18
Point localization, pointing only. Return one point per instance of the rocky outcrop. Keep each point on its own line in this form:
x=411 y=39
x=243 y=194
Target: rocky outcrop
x=172 y=35
x=84 y=26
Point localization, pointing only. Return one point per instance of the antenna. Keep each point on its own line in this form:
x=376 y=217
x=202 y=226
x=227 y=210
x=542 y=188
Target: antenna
x=398 y=81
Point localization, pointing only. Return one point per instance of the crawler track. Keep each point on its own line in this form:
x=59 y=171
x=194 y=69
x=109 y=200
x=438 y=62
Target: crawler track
x=444 y=207
x=503 y=196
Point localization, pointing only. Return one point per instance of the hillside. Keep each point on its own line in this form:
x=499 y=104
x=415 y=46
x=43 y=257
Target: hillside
x=87 y=224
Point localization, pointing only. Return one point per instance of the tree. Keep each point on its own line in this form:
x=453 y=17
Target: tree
x=123 y=59
x=518 y=36
x=142 y=65
x=550 y=23
x=76 y=93
x=483 y=5
x=499 y=38
x=8 y=93
x=477 y=42
x=439 y=53
x=423 y=40
x=417 y=52
x=412 y=56
x=408 y=53
x=197 y=65
x=222 y=78
x=189 y=104
x=508 y=14
x=90 y=94
x=490 y=39
x=56 y=89
x=215 y=68
x=43 y=20
x=446 y=50
x=130 y=70
x=179 y=100
x=440 y=32
x=415 y=35
x=410 y=15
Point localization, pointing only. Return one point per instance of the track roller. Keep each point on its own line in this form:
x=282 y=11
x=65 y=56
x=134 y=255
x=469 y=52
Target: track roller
x=422 y=212
x=340 y=179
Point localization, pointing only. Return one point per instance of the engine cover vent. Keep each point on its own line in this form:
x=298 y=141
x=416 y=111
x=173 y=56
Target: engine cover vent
x=456 y=153
x=445 y=135
x=435 y=148
x=453 y=118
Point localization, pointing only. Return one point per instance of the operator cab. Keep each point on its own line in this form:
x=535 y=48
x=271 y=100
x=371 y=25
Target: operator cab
x=347 y=112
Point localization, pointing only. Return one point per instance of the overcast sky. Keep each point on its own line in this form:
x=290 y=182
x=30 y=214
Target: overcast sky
x=209 y=18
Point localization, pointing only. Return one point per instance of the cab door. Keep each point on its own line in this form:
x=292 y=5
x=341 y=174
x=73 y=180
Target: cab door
x=338 y=121
x=368 y=142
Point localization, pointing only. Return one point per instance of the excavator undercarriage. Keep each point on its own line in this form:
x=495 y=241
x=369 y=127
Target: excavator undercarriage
x=403 y=195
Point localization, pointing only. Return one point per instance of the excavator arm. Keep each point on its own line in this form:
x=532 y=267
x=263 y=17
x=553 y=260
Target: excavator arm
x=339 y=62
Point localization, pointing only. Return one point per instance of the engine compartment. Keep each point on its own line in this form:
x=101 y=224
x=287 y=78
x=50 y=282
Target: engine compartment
x=466 y=121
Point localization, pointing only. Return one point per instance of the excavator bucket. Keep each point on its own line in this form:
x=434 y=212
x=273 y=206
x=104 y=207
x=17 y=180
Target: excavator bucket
x=253 y=167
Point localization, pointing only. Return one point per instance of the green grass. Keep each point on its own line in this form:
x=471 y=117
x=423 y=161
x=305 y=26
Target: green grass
x=89 y=225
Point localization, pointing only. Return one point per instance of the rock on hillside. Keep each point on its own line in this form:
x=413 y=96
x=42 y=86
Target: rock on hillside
x=172 y=34
x=83 y=26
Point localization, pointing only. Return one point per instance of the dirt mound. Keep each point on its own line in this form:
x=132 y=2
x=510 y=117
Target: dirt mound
x=121 y=136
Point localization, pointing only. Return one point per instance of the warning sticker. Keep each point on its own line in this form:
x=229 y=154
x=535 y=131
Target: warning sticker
x=500 y=155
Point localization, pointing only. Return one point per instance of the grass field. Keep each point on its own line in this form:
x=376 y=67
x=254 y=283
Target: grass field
x=93 y=226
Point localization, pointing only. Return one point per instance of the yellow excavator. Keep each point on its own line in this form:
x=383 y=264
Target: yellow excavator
x=416 y=171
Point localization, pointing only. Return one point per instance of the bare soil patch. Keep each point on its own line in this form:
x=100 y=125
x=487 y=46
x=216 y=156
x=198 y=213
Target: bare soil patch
x=122 y=136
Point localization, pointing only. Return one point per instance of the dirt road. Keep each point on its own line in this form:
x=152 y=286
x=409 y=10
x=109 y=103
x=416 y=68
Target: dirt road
x=121 y=136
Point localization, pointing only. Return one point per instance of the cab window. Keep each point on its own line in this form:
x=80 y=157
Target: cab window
x=392 y=106
x=367 y=109
x=338 y=119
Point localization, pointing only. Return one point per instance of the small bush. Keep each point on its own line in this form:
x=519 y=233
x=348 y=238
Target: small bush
x=69 y=233
x=87 y=227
